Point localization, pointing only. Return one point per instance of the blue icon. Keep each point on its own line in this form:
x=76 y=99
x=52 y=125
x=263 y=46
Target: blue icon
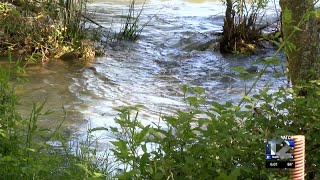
x=291 y=143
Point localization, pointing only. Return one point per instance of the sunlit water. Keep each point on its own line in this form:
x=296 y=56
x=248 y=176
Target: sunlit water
x=149 y=71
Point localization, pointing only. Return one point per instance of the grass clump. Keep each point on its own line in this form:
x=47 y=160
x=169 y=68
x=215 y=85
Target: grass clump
x=130 y=29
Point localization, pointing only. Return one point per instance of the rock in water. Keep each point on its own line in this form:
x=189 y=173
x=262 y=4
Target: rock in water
x=70 y=56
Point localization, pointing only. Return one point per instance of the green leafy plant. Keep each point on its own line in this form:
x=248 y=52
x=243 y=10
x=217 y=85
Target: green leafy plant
x=209 y=141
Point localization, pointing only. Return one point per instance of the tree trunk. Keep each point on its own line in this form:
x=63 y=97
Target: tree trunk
x=228 y=28
x=303 y=59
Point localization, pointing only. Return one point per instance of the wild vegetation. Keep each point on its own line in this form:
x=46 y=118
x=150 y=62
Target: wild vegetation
x=45 y=29
x=241 y=25
x=26 y=150
x=130 y=29
x=42 y=30
x=302 y=52
x=209 y=140
x=213 y=140
x=216 y=141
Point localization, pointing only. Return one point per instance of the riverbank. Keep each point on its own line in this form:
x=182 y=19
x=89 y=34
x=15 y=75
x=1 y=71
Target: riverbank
x=40 y=31
x=229 y=143
x=31 y=151
x=149 y=71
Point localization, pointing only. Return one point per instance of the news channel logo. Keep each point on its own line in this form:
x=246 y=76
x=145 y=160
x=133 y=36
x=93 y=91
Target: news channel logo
x=279 y=152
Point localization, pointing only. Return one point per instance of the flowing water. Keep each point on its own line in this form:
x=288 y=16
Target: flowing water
x=149 y=71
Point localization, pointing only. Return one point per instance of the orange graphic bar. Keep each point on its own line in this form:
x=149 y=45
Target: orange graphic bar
x=299 y=157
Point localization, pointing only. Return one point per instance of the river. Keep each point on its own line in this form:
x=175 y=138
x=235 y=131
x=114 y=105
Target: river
x=149 y=71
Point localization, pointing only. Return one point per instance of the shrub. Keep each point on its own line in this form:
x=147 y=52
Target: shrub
x=44 y=29
x=214 y=140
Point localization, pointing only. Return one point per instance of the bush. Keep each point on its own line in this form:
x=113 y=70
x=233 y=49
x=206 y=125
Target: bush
x=217 y=141
x=45 y=29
